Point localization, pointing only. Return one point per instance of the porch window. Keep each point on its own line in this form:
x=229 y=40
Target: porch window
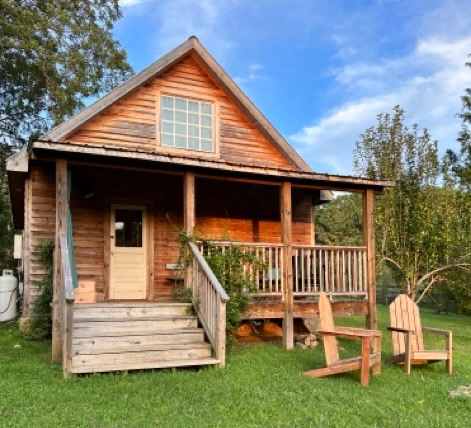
x=128 y=228
x=186 y=123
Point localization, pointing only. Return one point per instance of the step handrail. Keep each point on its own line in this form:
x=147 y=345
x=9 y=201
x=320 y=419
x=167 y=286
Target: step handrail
x=207 y=270
x=209 y=299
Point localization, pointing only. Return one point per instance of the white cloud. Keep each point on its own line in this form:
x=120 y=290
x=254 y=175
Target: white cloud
x=180 y=19
x=129 y=3
x=254 y=72
x=427 y=83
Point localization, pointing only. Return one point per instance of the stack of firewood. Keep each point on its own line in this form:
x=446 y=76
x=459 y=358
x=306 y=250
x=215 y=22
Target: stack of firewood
x=306 y=341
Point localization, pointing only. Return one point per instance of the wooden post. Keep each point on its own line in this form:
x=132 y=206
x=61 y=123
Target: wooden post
x=286 y=233
x=376 y=369
x=188 y=213
x=188 y=202
x=369 y=242
x=67 y=342
x=58 y=289
x=449 y=348
x=365 y=361
x=221 y=332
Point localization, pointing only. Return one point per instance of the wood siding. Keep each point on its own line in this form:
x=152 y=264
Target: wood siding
x=248 y=212
x=40 y=220
x=132 y=122
x=224 y=210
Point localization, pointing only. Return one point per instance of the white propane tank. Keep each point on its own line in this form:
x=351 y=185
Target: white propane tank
x=8 y=295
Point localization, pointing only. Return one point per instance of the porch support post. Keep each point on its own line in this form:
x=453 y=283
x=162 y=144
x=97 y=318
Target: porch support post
x=286 y=235
x=189 y=202
x=369 y=242
x=58 y=289
x=188 y=213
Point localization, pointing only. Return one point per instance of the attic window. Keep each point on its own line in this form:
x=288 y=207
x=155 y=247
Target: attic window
x=186 y=124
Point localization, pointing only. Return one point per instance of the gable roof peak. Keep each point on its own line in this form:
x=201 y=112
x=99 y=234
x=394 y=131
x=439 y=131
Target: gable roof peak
x=164 y=63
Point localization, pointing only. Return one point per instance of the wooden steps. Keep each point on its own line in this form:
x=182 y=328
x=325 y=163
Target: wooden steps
x=148 y=365
x=131 y=310
x=133 y=336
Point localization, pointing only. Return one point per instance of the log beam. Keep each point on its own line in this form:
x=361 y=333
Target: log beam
x=369 y=242
x=188 y=213
x=188 y=202
x=58 y=289
x=286 y=238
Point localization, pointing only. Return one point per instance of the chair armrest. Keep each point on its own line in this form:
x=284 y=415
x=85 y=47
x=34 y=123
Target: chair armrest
x=350 y=332
x=438 y=331
x=401 y=330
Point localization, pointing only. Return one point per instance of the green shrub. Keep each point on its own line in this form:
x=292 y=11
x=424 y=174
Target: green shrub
x=231 y=268
x=41 y=312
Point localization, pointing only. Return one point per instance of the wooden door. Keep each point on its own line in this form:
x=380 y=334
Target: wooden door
x=128 y=253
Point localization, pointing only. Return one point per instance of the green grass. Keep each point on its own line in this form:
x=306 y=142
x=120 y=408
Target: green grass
x=263 y=385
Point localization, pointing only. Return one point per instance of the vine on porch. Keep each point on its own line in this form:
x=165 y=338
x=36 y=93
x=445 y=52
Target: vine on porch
x=41 y=313
x=231 y=266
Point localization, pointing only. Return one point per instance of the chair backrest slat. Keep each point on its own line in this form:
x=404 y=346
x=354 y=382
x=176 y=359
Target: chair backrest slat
x=327 y=323
x=404 y=313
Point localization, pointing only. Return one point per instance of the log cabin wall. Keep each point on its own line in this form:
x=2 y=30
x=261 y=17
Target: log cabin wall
x=93 y=192
x=132 y=122
x=224 y=210
x=40 y=220
x=249 y=212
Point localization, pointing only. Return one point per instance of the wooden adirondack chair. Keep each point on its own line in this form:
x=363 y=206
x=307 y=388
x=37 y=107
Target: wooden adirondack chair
x=329 y=332
x=407 y=337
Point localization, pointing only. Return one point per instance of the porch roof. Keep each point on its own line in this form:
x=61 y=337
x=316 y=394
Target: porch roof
x=308 y=178
x=18 y=167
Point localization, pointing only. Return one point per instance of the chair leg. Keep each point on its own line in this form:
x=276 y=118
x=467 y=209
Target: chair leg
x=376 y=369
x=408 y=356
x=449 y=347
x=365 y=361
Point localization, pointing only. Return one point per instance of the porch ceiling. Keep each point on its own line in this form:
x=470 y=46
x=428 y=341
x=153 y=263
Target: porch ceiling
x=98 y=153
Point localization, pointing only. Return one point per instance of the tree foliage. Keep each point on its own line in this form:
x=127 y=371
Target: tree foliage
x=340 y=221
x=54 y=55
x=457 y=166
x=41 y=314
x=419 y=223
x=6 y=226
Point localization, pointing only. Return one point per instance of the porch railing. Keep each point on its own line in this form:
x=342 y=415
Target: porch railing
x=210 y=301
x=335 y=270
x=329 y=269
x=268 y=278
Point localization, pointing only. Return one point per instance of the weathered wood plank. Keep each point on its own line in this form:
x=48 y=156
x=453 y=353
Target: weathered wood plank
x=130 y=365
x=266 y=310
x=369 y=242
x=58 y=287
x=286 y=238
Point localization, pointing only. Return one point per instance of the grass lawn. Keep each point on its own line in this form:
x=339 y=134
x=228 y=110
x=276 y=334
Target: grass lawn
x=261 y=386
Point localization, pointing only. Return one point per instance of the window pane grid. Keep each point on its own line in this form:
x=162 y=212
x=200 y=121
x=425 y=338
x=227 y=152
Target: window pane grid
x=186 y=123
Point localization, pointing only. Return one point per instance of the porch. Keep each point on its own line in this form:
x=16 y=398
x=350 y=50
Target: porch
x=339 y=271
x=295 y=269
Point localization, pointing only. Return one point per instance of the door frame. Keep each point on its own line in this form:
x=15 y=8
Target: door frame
x=148 y=241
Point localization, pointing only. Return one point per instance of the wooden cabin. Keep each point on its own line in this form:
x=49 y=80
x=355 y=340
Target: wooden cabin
x=178 y=147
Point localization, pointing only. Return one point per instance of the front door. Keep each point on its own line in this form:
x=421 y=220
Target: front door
x=128 y=254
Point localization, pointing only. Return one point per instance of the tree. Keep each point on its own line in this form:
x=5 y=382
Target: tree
x=6 y=226
x=54 y=55
x=340 y=221
x=417 y=222
x=458 y=165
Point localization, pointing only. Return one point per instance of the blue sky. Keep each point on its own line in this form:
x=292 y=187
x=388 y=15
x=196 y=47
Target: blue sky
x=322 y=70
